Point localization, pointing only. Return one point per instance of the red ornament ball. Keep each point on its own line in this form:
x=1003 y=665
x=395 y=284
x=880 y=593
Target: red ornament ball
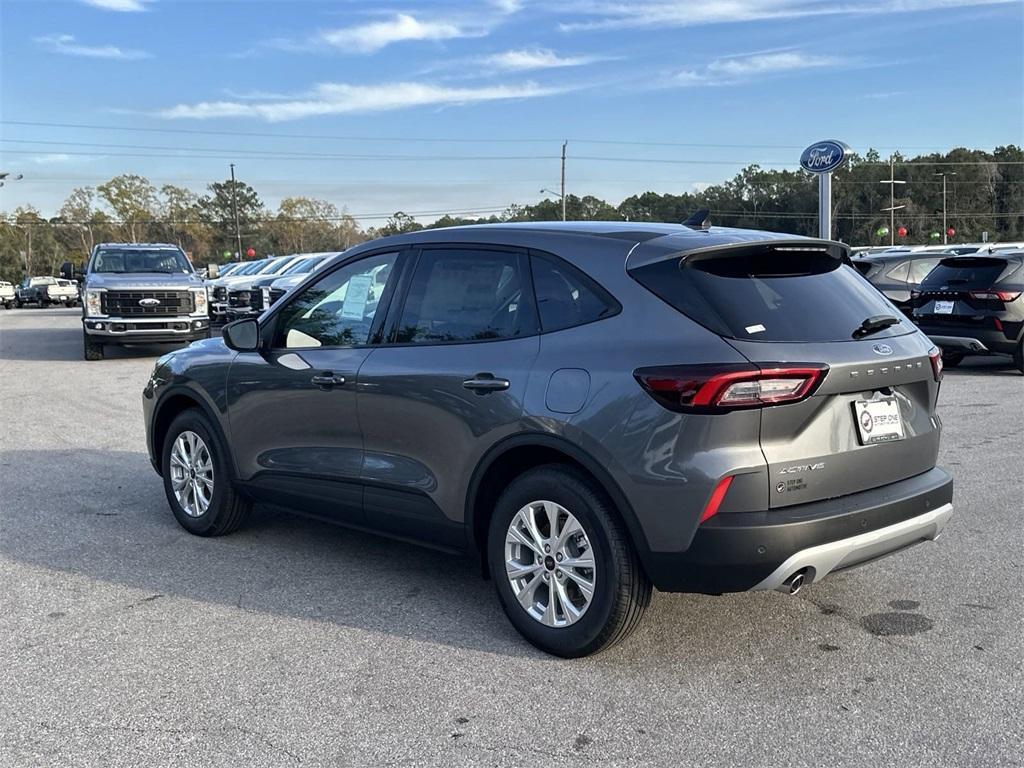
x=902 y=231
x=950 y=231
x=250 y=252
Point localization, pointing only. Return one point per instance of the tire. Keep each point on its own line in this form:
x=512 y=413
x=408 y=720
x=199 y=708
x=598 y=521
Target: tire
x=621 y=590
x=17 y=303
x=952 y=359
x=1018 y=357
x=225 y=509
x=91 y=350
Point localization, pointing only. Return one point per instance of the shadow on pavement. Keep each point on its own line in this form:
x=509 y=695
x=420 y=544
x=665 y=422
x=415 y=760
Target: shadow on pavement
x=60 y=343
x=995 y=365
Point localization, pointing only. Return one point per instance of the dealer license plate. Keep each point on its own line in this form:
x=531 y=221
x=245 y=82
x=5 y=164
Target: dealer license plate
x=878 y=421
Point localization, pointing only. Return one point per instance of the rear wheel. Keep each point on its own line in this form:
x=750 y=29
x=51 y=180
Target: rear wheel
x=952 y=359
x=196 y=478
x=566 y=573
x=1018 y=357
x=91 y=350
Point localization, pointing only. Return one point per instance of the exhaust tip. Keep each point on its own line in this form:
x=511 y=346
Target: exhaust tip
x=794 y=583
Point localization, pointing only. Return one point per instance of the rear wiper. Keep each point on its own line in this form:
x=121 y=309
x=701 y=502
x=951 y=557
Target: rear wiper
x=874 y=324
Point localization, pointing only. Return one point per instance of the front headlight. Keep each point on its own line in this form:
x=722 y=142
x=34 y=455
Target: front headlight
x=199 y=301
x=93 y=305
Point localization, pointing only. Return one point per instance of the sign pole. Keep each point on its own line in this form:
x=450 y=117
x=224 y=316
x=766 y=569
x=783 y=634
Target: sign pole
x=825 y=205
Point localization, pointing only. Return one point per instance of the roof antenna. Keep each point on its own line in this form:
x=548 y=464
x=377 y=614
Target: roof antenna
x=699 y=219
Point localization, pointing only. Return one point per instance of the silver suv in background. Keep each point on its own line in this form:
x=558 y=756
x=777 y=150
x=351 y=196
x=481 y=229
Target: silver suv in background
x=139 y=293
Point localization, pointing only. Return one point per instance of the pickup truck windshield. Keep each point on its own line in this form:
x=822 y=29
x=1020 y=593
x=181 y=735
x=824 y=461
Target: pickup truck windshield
x=140 y=260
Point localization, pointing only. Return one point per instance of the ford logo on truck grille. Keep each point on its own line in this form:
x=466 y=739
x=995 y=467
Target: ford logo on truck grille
x=149 y=302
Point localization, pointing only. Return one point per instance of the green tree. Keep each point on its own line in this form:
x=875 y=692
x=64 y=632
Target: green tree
x=133 y=201
x=216 y=210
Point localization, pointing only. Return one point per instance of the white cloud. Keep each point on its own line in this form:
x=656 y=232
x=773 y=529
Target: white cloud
x=536 y=58
x=736 y=69
x=66 y=45
x=342 y=98
x=51 y=158
x=118 y=5
x=685 y=13
x=370 y=37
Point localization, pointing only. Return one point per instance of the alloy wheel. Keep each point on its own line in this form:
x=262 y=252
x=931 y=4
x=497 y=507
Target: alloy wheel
x=192 y=473
x=550 y=563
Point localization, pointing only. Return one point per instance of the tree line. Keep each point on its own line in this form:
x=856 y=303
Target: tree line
x=985 y=194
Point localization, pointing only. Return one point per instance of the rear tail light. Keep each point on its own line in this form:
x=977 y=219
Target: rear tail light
x=712 y=388
x=1004 y=296
x=935 y=355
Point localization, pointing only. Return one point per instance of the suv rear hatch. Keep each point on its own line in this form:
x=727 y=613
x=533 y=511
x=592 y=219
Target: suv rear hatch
x=794 y=306
x=968 y=292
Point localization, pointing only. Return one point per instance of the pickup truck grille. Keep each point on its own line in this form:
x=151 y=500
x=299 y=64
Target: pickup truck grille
x=127 y=303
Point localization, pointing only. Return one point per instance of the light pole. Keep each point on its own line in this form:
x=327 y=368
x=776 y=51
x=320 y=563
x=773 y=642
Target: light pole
x=564 y=145
x=892 y=182
x=559 y=195
x=234 y=208
x=945 y=229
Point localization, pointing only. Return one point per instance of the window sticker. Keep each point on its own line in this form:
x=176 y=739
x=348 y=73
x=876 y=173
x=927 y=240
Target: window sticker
x=754 y=328
x=355 y=297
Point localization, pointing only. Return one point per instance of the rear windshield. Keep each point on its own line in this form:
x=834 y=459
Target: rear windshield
x=965 y=272
x=802 y=296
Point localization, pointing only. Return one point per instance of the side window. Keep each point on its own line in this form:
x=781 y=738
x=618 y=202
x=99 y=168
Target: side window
x=900 y=272
x=466 y=295
x=566 y=297
x=338 y=309
x=920 y=269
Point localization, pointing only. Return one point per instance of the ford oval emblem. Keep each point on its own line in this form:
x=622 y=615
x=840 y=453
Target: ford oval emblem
x=149 y=302
x=882 y=349
x=825 y=156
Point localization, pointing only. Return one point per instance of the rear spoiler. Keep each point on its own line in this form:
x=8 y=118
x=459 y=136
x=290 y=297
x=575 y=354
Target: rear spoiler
x=837 y=251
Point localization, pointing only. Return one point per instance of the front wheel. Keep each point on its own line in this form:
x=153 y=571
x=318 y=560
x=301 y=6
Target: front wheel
x=91 y=350
x=196 y=478
x=566 y=572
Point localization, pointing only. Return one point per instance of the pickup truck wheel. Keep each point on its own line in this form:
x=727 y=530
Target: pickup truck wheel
x=91 y=350
x=566 y=572
x=17 y=303
x=196 y=478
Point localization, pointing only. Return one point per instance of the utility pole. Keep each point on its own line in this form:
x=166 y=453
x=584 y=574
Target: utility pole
x=945 y=229
x=234 y=208
x=564 y=143
x=892 y=182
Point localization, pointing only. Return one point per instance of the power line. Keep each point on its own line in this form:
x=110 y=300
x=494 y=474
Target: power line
x=418 y=139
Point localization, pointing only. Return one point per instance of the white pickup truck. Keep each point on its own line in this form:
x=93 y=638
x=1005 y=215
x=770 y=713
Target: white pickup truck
x=46 y=291
x=6 y=295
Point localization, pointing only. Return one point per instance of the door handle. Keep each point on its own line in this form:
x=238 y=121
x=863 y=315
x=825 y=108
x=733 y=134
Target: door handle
x=327 y=380
x=482 y=383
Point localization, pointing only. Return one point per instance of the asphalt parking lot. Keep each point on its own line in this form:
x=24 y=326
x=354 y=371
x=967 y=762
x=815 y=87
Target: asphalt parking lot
x=125 y=641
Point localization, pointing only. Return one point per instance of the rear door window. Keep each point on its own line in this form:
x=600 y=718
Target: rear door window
x=899 y=272
x=467 y=294
x=775 y=295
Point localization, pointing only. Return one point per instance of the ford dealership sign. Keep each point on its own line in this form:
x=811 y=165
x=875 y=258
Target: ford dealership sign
x=824 y=157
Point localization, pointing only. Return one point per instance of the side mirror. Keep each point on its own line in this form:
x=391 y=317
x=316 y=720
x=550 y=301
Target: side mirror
x=67 y=270
x=242 y=335
x=212 y=272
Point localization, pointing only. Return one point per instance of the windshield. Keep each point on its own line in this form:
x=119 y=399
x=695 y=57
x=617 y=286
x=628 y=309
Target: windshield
x=964 y=273
x=300 y=266
x=248 y=269
x=129 y=260
x=275 y=267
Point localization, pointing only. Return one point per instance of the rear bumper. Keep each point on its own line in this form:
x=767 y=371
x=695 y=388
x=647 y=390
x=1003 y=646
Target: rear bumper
x=761 y=550
x=976 y=341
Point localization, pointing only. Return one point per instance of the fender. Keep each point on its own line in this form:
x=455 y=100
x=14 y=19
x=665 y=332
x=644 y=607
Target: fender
x=573 y=451
x=200 y=398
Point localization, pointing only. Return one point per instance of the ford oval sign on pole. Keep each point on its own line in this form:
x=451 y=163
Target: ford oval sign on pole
x=822 y=158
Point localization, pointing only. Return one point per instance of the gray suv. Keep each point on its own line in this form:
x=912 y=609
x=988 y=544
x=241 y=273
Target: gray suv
x=592 y=409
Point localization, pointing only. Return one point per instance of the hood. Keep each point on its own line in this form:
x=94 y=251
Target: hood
x=160 y=280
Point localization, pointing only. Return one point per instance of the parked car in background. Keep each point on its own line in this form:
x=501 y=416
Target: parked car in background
x=45 y=291
x=139 y=293
x=897 y=274
x=280 y=286
x=254 y=297
x=972 y=305
x=6 y=294
x=219 y=288
x=593 y=408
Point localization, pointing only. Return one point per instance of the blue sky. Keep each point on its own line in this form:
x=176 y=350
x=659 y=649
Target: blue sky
x=430 y=106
